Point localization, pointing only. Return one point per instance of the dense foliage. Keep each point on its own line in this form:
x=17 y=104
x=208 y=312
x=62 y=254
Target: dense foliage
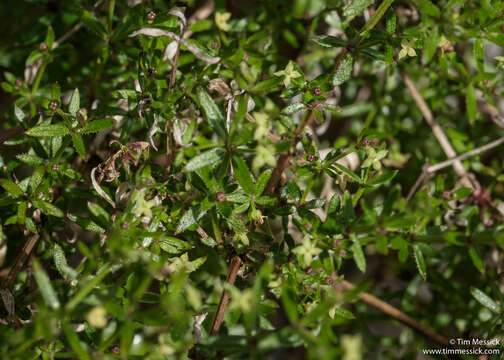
x=152 y=150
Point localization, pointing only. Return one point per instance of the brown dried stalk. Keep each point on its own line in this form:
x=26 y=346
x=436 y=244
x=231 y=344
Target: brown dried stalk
x=397 y=314
x=21 y=258
x=438 y=131
x=221 y=309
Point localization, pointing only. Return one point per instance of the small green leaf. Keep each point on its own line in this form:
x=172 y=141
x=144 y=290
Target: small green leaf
x=390 y=24
x=97 y=125
x=294 y=108
x=461 y=193
x=358 y=255
x=36 y=178
x=74 y=104
x=242 y=175
x=344 y=71
x=93 y=24
x=476 y=259
x=78 y=144
x=209 y=157
x=20 y=115
x=172 y=245
x=471 y=103
x=11 y=187
x=48 y=208
x=344 y=170
x=61 y=264
x=385 y=4
x=212 y=112
x=334 y=204
x=49 y=39
x=428 y=8
x=330 y=41
x=186 y=221
x=420 y=261
x=74 y=342
x=30 y=159
x=485 y=300
x=21 y=213
x=479 y=55
x=291 y=191
x=383 y=178
x=355 y=7
x=262 y=181
x=48 y=130
x=44 y=284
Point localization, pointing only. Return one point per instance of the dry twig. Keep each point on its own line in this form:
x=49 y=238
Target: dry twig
x=221 y=309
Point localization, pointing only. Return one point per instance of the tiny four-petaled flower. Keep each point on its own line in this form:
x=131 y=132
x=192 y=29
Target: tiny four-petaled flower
x=221 y=19
x=407 y=49
x=373 y=158
x=307 y=250
x=288 y=73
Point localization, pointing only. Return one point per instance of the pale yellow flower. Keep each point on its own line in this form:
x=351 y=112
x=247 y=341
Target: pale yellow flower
x=373 y=158
x=288 y=73
x=407 y=49
x=307 y=250
x=97 y=317
x=221 y=19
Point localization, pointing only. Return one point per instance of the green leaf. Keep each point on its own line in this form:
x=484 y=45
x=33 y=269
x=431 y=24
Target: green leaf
x=420 y=261
x=212 y=112
x=334 y=204
x=11 y=187
x=48 y=208
x=390 y=24
x=172 y=245
x=99 y=212
x=471 y=103
x=74 y=342
x=78 y=144
x=355 y=7
x=61 y=264
x=85 y=289
x=428 y=8
x=48 y=130
x=330 y=41
x=97 y=125
x=45 y=286
x=30 y=159
x=49 y=39
x=344 y=170
x=461 y=193
x=262 y=181
x=36 y=178
x=385 y=4
x=207 y=158
x=476 y=259
x=21 y=212
x=242 y=175
x=186 y=221
x=294 y=108
x=479 y=55
x=291 y=191
x=344 y=71
x=485 y=300
x=378 y=180
x=20 y=115
x=358 y=255
x=74 y=104
x=269 y=84
x=93 y=24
